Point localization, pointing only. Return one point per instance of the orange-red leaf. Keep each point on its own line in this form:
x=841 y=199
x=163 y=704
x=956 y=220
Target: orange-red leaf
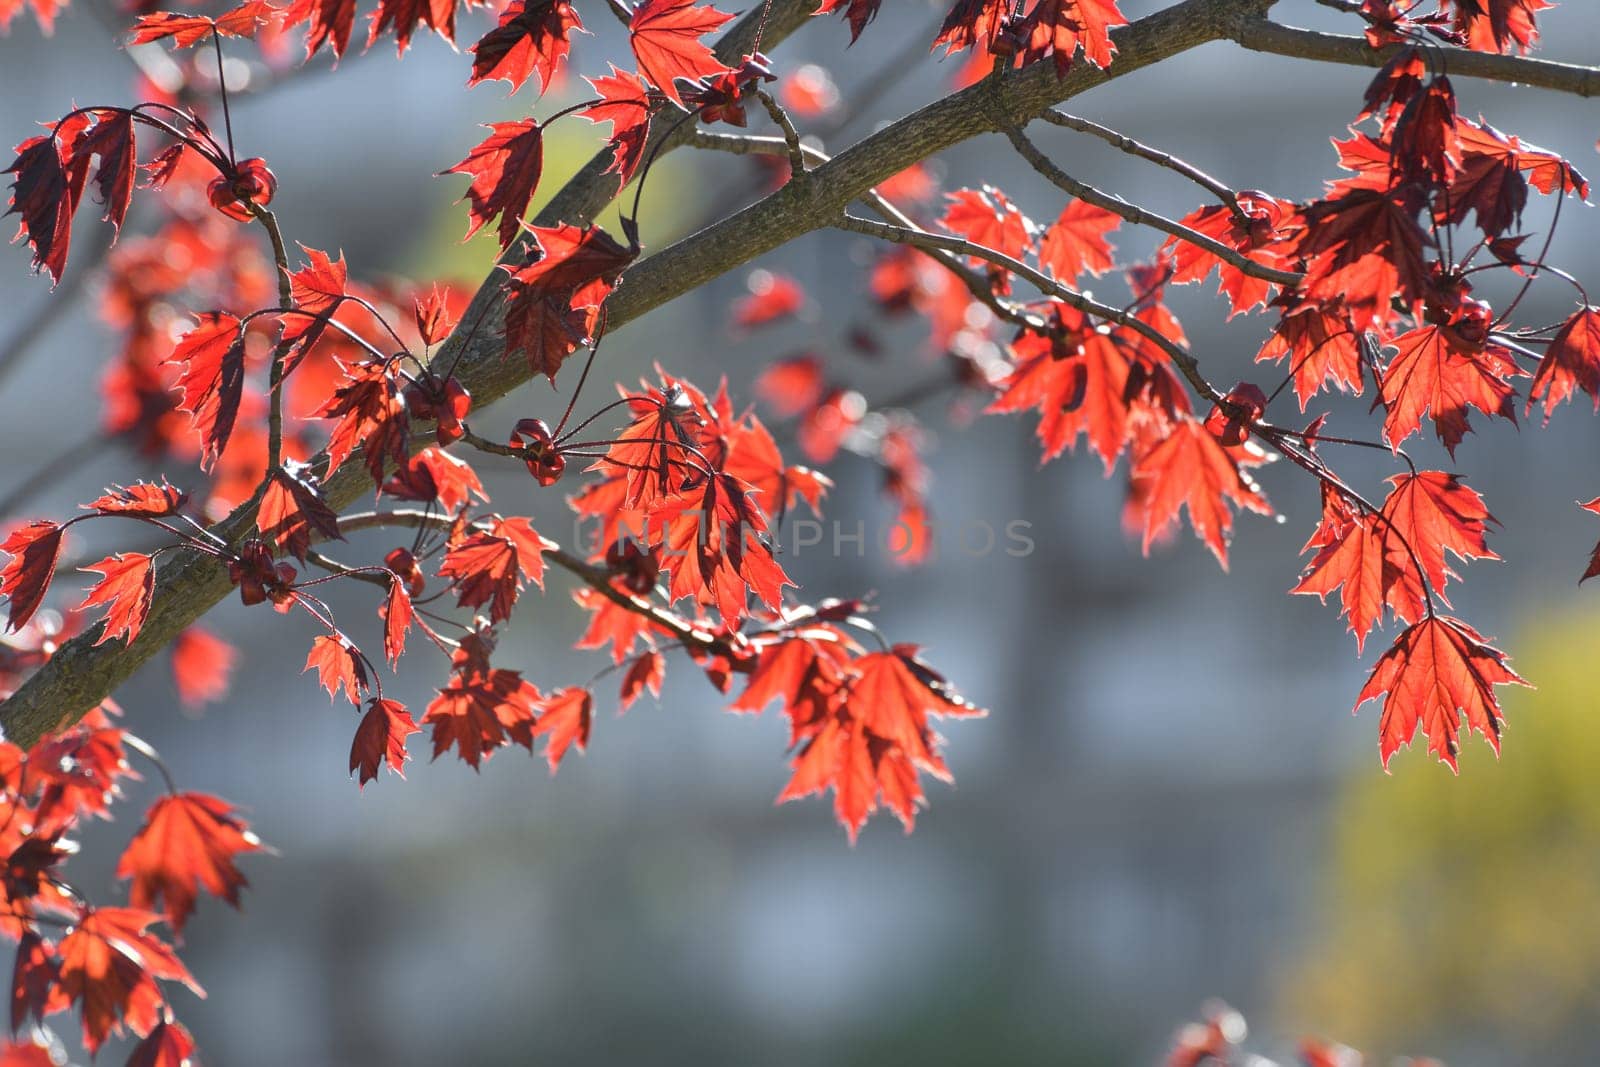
x=397 y=615
x=292 y=509
x=338 y=666
x=625 y=103
x=109 y=967
x=169 y=1045
x=665 y=35
x=127 y=587
x=564 y=718
x=140 y=498
x=185 y=30
x=1438 y=670
x=201 y=666
x=1438 y=371
x=646 y=672
x=1191 y=468
x=1076 y=243
x=481 y=712
x=1058 y=27
x=188 y=842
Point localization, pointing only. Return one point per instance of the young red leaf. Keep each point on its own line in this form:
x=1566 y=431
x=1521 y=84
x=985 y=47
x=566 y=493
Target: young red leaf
x=1260 y=230
x=212 y=379
x=1571 y=362
x=186 y=30
x=972 y=22
x=1440 y=371
x=1191 y=468
x=406 y=15
x=1437 y=671
x=45 y=194
x=111 y=138
x=1078 y=382
x=292 y=510
x=327 y=22
x=188 y=842
x=434 y=316
x=380 y=739
x=338 y=666
x=1321 y=345
x=857 y=12
x=481 y=711
x=1076 y=243
x=646 y=672
x=1497 y=25
x=1431 y=513
x=665 y=35
x=505 y=169
x=33 y=549
x=202 y=664
x=988 y=218
x=625 y=103
x=1058 y=27
x=109 y=967
x=397 y=615
x=564 y=718
x=491 y=567
x=141 y=498
x=169 y=1045
x=1351 y=557
x=127 y=587
x=532 y=38
x=773 y=297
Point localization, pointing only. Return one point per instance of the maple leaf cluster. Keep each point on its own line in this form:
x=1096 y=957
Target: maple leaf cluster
x=289 y=369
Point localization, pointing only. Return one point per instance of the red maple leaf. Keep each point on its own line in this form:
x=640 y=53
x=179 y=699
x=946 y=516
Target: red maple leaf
x=1441 y=370
x=202 y=664
x=169 y=1045
x=327 y=22
x=1366 y=248
x=665 y=35
x=1437 y=671
x=972 y=22
x=986 y=217
x=1058 y=27
x=141 y=498
x=1321 y=345
x=292 y=509
x=339 y=666
x=1594 y=559
x=1191 y=468
x=505 y=169
x=773 y=297
x=564 y=719
x=109 y=967
x=1352 y=557
x=372 y=416
x=381 y=738
x=857 y=12
x=127 y=587
x=406 y=15
x=646 y=672
x=188 y=842
x=490 y=567
x=1571 y=362
x=1263 y=229
x=625 y=103
x=186 y=30
x=33 y=549
x=531 y=38
x=397 y=615
x=480 y=711
x=212 y=379
x=1431 y=513
x=1077 y=379
x=1497 y=25
x=1076 y=243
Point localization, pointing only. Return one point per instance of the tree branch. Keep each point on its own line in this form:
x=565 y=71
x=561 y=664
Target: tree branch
x=1263 y=35
x=1140 y=216
x=81 y=675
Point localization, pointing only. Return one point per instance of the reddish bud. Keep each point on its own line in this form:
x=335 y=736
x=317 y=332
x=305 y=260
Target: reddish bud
x=544 y=462
x=251 y=183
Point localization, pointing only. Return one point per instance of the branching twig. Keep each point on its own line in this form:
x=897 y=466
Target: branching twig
x=1124 y=143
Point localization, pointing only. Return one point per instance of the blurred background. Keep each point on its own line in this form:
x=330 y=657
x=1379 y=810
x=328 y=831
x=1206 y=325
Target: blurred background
x=1169 y=801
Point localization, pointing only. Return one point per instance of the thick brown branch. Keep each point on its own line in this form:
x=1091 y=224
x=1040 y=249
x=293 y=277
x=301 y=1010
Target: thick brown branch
x=1264 y=35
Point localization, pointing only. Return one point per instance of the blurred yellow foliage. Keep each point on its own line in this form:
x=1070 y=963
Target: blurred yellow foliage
x=1470 y=905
